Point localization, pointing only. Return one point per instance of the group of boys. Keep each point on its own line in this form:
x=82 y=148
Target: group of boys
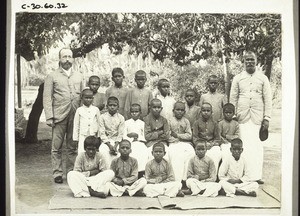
x=137 y=143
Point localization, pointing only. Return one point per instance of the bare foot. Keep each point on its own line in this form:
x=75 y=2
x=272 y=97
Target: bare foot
x=96 y=193
x=180 y=194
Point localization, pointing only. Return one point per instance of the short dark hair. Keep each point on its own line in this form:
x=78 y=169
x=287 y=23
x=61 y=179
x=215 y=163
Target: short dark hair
x=159 y=144
x=190 y=90
x=136 y=105
x=200 y=142
x=207 y=104
x=155 y=100
x=213 y=76
x=92 y=141
x=140 y=73
x=94 y=77
x=124 y=140
x=112 y=98
x=161 y=81
x=229 y=106
x=117 y=70
x=236 y=141
x=85 y=90
x=178 y=102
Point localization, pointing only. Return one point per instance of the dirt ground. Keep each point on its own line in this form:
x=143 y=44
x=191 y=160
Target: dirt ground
x=34 y=184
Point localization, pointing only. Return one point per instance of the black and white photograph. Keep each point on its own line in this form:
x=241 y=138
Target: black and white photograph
x=176 y=108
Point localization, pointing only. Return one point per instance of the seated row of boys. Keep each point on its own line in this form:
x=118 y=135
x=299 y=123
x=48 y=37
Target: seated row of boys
x=156 y=130
x=91 y=177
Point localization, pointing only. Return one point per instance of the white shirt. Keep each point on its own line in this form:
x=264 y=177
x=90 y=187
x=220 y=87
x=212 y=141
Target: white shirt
x=167 y=104
x=86 y=121
x=68 y=72
x=132 y=126
x=234 y=169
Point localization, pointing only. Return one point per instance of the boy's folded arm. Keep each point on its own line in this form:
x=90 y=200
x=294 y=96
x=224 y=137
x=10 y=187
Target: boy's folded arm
x=94 y=172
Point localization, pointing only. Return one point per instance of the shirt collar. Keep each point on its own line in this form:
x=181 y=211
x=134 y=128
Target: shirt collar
x=67 y=72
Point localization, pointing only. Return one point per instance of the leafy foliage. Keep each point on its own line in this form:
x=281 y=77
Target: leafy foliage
x=182 y=38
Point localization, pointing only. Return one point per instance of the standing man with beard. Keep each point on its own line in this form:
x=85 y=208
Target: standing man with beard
x=251 y=95
x=62 y=87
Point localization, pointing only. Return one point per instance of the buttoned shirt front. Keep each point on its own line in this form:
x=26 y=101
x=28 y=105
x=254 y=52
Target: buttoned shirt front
x=228 y=130
x=205 y=130
x=202 y=169
x=60 y=92
x=111 y=127
x=142 y=97
x=152 y=126
x=217 y=101
x=192 y=113
x=119 y=93
x=159 y=172
x=252 y=97
x=132 y=126
x=99 y=100
x=182 y=128
x=127 y=170
x=84 y=163
x=86 y=121
x=234 y=169
x=167 y=105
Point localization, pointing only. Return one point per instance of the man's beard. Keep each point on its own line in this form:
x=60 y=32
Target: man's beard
x=66 y=65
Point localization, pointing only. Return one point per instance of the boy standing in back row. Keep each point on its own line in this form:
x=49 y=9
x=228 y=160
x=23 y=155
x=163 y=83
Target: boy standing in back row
x=118 y=90
x=166 y=99
x=214 y=98
x=99 y=98
x=138 y=95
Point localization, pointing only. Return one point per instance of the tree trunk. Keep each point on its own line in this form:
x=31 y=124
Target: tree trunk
x=34 y=117
x=269 y=61
x=226 y=77
x=19 y=81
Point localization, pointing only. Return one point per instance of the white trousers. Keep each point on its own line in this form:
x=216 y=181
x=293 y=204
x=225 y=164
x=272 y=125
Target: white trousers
x=104 y=151
x=215 y=154
x=140 y=152
x=79 y=183
x=117 y=191
x=169 y=189
x=245 y=186
x=211 y=188
x=253 y=149
x=180 y=154
x=225 y=150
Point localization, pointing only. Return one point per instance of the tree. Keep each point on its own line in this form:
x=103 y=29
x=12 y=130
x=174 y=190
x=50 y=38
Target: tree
x=182 y=38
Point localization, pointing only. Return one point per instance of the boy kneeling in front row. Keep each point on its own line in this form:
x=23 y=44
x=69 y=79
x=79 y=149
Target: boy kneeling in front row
x=90 y=176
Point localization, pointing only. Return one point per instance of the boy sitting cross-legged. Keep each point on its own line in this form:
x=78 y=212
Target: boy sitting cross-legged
x=159 y=175
x=126 y=173
x=202 y=173
x=234 y=173
x=90 y=176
